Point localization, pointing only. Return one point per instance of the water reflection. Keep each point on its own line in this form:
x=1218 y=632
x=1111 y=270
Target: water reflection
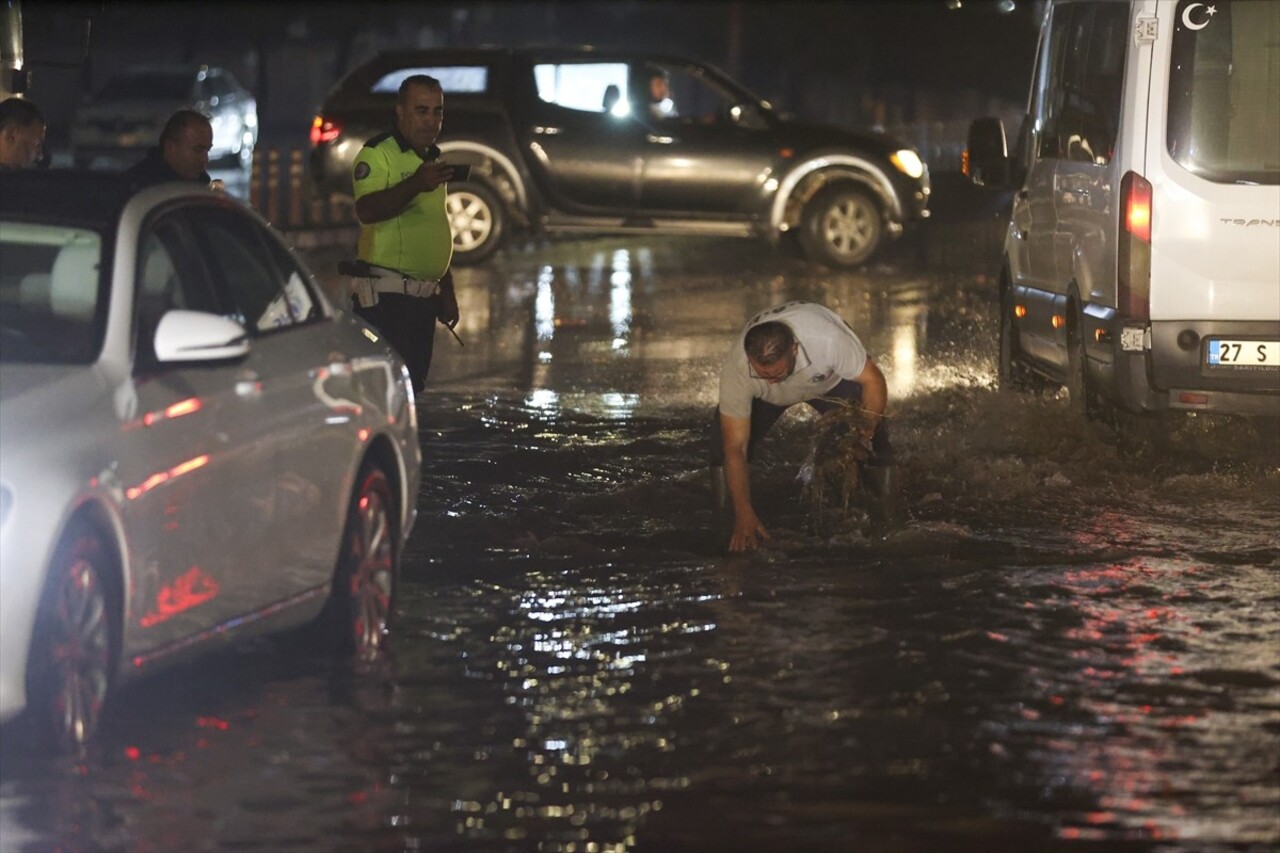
x=1065 y=644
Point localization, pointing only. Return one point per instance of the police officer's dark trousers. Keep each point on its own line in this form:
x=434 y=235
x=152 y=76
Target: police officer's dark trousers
x=409 y=323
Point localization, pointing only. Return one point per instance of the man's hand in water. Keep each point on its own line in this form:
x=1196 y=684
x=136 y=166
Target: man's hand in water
x=747 y=533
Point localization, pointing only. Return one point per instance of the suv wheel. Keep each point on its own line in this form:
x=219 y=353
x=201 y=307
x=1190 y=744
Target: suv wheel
x=841 y=227
x=478 y=221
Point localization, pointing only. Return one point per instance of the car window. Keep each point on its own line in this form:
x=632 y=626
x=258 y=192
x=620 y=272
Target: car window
x=1224 y=85
x=167 y=276
x=454 y=79
x=1092 y=75
x=220 y=87
x=51 y=285
x=167 y=279
x=694 y=99
x=586 y=86
x=263 y=299
x=1064 y=31
x=299 y=286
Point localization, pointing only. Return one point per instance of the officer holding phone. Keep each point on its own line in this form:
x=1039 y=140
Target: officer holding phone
x=405 y=237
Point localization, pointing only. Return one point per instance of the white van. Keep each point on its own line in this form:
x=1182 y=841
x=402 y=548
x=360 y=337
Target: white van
x=1142 y=260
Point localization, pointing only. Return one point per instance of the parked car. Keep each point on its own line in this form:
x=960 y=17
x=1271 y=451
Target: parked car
x=126 y=116
x=195 y=445
x=564 y=140
x=1142 y=259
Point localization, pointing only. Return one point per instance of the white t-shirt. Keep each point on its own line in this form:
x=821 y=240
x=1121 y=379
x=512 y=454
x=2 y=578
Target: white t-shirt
x=829 y=352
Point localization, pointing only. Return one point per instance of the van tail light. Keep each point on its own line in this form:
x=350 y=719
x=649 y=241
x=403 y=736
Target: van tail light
x=324 y=130
x=1133 y=254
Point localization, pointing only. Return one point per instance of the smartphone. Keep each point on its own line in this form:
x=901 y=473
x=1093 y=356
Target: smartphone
x=461 y=171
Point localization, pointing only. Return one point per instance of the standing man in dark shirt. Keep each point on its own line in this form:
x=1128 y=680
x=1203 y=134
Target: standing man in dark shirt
x=405 y=238
x=183 y=152
x=21 y=134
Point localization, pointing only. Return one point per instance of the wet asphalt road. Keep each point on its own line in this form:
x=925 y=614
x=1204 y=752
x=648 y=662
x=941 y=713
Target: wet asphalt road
x=1070 y=646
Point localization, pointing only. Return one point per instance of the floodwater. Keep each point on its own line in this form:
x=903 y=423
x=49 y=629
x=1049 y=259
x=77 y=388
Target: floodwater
x=1073 y=644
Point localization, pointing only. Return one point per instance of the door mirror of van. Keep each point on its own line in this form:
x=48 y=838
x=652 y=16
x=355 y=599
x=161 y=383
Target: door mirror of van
x=987 y=153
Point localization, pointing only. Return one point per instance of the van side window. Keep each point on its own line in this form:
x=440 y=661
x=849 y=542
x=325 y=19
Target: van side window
x=1091 y=81
x=1080 y=105
x=1049 y=111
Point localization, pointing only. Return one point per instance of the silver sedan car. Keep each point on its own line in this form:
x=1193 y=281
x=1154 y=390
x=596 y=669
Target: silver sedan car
x=195 y=445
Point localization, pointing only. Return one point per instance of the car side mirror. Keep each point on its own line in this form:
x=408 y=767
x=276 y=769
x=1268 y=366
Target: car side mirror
x=199 y=336
x=987 y=155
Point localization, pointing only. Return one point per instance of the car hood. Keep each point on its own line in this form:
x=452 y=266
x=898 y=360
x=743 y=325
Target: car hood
x=810 y=136
x=46 y=397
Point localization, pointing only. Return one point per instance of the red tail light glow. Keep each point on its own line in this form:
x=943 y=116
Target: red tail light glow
x=324 y=130
x=1136 y=193
x=1133 y=249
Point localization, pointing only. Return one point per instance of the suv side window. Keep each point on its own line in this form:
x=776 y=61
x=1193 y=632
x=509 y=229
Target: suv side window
x=695 y=100
x=454 y=79
x=594 y=87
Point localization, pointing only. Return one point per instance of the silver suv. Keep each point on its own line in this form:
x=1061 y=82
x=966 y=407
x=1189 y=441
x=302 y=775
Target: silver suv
x=124 y=119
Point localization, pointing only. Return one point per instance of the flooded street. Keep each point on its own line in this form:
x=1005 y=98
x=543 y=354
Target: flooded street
x=1073 y=644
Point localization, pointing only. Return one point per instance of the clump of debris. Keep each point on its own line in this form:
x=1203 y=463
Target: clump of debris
x=832 y=471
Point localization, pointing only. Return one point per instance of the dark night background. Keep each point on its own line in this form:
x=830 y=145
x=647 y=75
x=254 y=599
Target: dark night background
x=917 y=68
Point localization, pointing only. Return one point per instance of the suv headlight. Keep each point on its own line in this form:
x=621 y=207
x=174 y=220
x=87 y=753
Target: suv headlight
x=907 y=162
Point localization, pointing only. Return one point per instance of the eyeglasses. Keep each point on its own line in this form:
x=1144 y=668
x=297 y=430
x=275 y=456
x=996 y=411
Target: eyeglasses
x=781 y=369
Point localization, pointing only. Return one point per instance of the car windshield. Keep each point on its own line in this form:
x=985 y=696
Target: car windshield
x=1223 y=91
x=50 y=290
x=148 y=86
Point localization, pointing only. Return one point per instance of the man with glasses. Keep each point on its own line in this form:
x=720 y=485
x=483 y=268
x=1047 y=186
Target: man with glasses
x=799 y=352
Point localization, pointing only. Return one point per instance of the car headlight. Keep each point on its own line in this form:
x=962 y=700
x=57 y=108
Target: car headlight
x=907 y=162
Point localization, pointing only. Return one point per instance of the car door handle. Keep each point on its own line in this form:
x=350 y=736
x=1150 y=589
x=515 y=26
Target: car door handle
x=659 y=140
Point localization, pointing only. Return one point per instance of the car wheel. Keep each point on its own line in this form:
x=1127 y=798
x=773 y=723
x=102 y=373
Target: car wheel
x=360 y=608
x=71 y=669
x=1080 y=394
x=1012 y=374
x=478 y=221
x=841 y=227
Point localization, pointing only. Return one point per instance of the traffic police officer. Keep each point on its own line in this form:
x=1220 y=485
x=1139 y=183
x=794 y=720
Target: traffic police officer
x=404 y=231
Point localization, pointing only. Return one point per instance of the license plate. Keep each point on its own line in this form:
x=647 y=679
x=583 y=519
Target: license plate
x=1223 y=353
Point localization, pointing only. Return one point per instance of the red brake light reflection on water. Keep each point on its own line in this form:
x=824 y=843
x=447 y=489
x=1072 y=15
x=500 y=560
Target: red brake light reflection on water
x=324 y=130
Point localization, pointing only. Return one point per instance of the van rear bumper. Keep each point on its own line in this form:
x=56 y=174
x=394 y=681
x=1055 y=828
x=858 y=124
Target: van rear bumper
x=1174 y=372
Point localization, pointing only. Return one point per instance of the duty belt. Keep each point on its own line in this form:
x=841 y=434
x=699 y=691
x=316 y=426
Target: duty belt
x=367 y=281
